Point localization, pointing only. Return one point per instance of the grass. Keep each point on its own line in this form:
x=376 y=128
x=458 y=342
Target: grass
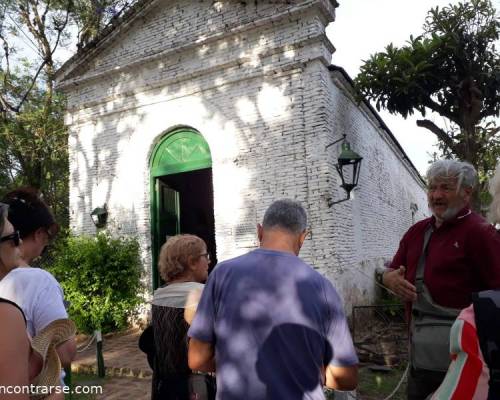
x=378 y=385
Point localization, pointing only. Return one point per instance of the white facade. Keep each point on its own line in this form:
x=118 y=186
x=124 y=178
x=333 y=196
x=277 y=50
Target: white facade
x=253 y=79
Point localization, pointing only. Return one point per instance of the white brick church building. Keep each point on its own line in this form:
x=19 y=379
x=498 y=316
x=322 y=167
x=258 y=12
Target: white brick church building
x=194 y=116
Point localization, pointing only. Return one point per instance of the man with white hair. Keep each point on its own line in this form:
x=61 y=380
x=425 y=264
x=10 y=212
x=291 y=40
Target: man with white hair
x=440 y=262
x=271 y=325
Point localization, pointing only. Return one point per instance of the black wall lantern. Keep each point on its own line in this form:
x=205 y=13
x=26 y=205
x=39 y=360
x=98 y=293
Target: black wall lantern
x=348 y=167
x=100 y=216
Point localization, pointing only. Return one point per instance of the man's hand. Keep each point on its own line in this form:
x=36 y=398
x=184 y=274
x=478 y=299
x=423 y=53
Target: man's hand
x=201 y=356
x=341 y=378
x=191 y=305
x=395 y=281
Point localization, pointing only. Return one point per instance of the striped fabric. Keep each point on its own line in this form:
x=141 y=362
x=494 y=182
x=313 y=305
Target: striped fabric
x=468 y=375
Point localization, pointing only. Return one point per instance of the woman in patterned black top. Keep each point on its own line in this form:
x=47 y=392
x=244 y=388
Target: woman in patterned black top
x=183 y=265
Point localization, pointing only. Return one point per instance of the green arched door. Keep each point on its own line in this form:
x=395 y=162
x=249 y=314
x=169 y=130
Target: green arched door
x=178 y=153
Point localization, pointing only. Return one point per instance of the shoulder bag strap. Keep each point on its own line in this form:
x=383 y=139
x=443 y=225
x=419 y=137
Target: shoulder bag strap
x=419 y=278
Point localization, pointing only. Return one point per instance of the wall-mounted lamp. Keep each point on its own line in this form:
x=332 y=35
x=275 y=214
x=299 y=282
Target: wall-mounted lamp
x=349 y=165
x=100 y=216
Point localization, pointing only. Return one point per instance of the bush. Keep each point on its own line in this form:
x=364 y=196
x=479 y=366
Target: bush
x=101 y=280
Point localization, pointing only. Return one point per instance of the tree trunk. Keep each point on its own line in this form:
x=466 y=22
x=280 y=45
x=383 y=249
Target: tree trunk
x=471 y=155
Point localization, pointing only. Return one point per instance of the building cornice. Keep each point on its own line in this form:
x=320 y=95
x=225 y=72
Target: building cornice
x=326 y=8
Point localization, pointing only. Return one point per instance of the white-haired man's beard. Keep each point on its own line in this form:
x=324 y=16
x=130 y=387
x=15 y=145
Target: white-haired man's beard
x=450 y=213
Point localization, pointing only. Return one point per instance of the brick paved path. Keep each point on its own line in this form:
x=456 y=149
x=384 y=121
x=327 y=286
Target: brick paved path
x=126 y=388
x=129 y=375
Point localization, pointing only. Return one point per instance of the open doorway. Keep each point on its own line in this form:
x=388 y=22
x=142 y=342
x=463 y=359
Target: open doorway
x=195 y=205
x=185 y=205
x=181 y=192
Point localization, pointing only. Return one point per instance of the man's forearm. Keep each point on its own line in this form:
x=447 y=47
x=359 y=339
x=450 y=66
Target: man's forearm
x=208 y=366
x=342 y=378
x=201 y=356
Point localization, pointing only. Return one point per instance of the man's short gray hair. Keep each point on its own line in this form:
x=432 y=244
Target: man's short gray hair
x=464 y=172
x=286 y=214
x=494 y=214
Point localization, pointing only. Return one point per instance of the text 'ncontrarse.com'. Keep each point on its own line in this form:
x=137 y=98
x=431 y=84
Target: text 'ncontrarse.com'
x=47 y=390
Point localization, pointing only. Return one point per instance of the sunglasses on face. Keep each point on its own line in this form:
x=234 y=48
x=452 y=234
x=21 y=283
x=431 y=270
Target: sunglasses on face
x=13 y=236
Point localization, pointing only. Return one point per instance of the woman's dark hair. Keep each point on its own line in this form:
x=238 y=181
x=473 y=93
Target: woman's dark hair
x=28 y=212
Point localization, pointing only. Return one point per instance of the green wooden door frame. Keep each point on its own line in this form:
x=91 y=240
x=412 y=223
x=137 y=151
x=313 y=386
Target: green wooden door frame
x=181 y=150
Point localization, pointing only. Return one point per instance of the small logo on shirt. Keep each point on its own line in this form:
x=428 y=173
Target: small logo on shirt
x=456 y=245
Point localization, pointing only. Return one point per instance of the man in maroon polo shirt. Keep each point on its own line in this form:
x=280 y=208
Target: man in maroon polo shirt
x=456 y=252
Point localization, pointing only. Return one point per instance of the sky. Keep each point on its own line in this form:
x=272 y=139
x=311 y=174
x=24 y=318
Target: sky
x=364 y=27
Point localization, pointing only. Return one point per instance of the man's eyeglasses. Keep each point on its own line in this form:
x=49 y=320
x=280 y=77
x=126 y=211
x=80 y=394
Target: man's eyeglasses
x=206 y=255
x=15 y=237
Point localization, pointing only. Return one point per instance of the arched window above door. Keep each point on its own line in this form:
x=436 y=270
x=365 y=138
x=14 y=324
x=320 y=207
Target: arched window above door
x=180 y=151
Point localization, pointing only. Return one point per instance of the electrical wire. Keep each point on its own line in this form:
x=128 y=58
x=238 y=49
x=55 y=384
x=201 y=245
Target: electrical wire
x=400 y=383
x=35 y=49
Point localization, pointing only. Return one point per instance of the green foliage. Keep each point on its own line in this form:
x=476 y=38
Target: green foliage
x=91 y=17
x=33 y=151
x=101 y=280
x=33 y=138
x=458 y=43
x=452 y=69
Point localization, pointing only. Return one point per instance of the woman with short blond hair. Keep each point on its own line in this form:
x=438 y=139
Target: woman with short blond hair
x=178 y=256
x=183 y=265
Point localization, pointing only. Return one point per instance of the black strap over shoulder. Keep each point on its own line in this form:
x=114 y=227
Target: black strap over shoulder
x=2 y=300
x=487 y=317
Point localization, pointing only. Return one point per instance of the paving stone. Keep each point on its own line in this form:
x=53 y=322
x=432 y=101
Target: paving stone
x=129 y=375
x=126 y=388
x=122 y=356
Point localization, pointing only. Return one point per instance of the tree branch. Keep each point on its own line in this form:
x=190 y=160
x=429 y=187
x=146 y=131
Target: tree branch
x=442 y=135
x=7 y=62
x=48 y=52
x=33 y=81
x=60 y=29
x=434 y=106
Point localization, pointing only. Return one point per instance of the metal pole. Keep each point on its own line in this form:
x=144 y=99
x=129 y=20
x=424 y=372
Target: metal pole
x=68 y=380
x=100 y=358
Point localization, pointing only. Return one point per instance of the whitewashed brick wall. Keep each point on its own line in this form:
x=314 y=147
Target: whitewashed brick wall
x=253 y=79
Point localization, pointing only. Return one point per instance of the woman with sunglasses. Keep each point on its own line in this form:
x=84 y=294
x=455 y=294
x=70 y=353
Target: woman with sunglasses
x=183 y=265
x=36 y=291
x=15 y=350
